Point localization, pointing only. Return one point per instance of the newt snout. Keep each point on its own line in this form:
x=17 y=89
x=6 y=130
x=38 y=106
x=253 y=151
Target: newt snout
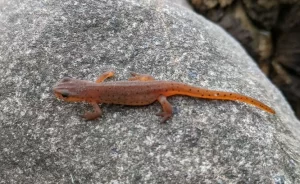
x=67 y=89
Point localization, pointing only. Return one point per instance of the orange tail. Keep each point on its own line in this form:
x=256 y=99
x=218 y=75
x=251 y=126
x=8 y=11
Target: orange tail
x=187 y=90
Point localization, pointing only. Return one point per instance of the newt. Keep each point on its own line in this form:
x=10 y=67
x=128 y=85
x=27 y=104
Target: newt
x=140 y=89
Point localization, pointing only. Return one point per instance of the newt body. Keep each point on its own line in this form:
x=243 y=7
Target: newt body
x=140 y=90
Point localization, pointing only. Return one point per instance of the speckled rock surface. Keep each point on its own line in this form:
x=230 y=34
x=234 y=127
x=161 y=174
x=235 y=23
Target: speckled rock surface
x=44 y=140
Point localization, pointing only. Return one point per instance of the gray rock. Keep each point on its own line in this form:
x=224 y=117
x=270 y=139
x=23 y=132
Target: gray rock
x=44 y=140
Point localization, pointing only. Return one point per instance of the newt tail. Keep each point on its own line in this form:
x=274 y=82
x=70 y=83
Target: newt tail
x=192 y=91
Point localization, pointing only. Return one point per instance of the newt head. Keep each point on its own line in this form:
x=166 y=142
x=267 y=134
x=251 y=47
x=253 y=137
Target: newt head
x=69 y=89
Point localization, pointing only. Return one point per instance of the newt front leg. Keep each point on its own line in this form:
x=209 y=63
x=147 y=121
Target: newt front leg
x=93 y=115
x=104 y=76
x=140 y=77
x=97 y=111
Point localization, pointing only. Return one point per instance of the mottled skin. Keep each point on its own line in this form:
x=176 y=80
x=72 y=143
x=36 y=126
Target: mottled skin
x=139 y=90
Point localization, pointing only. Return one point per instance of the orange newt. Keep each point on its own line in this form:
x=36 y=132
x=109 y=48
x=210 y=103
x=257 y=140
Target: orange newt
x=141 y=89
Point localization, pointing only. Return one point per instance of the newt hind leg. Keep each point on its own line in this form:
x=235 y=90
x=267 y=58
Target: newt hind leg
x=140 y=77
x=167 y=108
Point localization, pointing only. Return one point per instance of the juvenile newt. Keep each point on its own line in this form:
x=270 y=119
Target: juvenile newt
x=140 y=90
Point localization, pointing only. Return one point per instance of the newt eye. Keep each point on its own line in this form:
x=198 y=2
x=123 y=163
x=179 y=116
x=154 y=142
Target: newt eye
x=65 y=94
